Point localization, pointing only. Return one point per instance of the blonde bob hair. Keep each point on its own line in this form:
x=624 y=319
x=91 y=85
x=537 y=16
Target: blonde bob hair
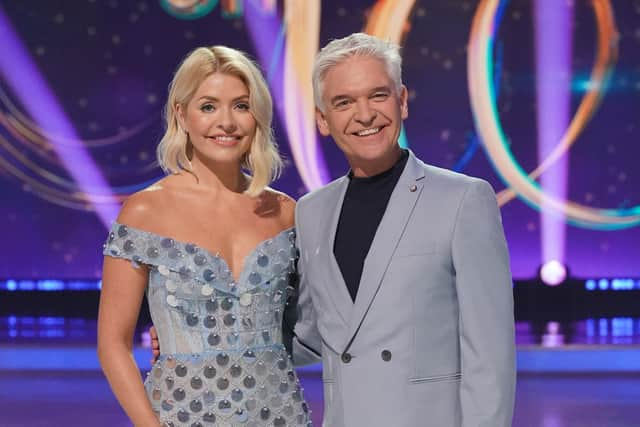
x=263 y=161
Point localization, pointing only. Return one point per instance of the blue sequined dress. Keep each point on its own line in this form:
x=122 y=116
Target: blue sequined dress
x=223 y=362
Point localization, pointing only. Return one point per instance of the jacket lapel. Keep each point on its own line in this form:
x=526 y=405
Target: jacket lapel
x=393 y=223
x=335 y=281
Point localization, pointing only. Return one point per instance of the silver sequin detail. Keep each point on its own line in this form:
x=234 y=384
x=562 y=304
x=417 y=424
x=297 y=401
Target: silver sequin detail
x=171 y=285
x=208 y=275
x=152 y=252
x=167 y=243
x=129 y=246
x=172 y=300
x=263 y=260
x=200 y=259
x=255 y=278
x=123 y=231
x=245 y=299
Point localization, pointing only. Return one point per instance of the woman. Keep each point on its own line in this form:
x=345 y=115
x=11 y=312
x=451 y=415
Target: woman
x=216 y=301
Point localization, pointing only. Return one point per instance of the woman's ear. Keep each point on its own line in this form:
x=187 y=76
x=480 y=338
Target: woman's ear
x=179 y=109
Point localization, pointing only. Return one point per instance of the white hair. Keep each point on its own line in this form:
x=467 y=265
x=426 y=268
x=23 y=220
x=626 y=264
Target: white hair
x=357 y=44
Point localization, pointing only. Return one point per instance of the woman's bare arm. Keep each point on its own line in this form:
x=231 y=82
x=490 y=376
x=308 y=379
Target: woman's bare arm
x=123 y=288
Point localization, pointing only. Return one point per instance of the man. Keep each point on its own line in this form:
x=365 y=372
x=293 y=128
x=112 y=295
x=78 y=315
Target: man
x=405 y=287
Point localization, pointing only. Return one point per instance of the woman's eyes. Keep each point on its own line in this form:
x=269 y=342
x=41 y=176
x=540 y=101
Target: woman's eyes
x=209 y=108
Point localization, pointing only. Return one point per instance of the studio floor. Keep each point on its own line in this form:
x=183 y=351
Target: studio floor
x=76 y=398
x=584 y=374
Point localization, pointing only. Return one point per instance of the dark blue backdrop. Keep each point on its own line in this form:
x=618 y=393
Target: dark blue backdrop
x=109 y=63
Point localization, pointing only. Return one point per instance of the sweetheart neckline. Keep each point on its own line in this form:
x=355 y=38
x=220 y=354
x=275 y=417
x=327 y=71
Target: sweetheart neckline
x=210 y=253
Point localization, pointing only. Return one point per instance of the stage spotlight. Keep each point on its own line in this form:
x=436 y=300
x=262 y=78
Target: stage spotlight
x=553 y=273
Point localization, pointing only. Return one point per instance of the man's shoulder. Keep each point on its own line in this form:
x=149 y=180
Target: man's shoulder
x=322 y=194
x=447 y=177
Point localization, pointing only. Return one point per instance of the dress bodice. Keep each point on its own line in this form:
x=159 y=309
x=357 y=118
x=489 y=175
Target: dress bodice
x=195 y=303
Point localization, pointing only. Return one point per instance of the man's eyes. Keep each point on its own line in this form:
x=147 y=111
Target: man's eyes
x=344 y=103
x=380 y=96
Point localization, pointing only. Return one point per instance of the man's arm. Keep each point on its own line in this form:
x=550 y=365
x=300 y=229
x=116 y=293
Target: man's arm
x=485 y=295
x=155 y=344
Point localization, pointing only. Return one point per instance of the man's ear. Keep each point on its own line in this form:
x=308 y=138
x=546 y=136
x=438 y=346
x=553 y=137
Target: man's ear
x=321 y=121
x=404 y=106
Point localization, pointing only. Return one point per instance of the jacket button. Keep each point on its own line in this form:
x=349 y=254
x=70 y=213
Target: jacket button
x=386 y=355
x=346 y=357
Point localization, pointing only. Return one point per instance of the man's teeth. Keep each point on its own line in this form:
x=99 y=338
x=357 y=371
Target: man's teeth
x=368 y=131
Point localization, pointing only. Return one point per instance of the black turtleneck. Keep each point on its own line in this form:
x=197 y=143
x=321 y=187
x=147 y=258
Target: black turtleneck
x=364 y=205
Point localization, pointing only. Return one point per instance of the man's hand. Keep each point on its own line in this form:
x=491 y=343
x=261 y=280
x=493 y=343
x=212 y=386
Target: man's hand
x=155 y=344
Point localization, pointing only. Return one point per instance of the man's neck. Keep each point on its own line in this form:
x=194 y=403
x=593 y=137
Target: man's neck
x=369 y=168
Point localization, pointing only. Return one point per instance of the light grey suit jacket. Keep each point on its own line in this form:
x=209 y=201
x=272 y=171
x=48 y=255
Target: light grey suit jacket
x=429 y=340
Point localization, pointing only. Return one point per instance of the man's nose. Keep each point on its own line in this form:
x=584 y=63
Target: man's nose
x=365 y=115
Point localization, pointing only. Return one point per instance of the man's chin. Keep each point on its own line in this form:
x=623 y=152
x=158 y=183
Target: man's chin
x=377 y=153
x=375 y=159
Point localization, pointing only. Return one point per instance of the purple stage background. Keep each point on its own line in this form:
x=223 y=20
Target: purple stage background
x=109 y=63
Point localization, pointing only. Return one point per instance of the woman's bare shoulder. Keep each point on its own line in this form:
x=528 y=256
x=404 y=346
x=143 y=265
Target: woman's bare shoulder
x=144 y=208
x=285 y=203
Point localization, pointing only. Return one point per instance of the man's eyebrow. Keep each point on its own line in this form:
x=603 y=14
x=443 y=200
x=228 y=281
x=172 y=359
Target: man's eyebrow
x=381 y=89
x=336 y=98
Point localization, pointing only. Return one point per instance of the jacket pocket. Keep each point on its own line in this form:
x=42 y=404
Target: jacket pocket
x=449 y=377
x=405 y=252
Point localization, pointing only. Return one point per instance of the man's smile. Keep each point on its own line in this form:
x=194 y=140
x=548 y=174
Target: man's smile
x=368 y=131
